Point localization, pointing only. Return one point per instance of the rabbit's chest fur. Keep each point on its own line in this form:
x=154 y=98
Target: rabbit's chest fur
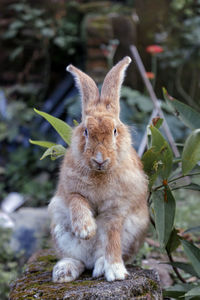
x=115 y=191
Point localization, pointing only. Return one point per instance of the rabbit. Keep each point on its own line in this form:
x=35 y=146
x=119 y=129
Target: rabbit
x=99 y=214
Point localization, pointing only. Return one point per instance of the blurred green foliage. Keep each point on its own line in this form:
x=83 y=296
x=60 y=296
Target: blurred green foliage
x=36 y=38
x=181 y=59
x=9 y=268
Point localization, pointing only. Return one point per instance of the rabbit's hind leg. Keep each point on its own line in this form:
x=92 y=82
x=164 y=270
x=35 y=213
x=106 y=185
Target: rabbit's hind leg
x=133 y=235
x=67 y=269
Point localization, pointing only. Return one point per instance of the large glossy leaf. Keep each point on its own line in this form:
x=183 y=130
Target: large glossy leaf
x=176 y=290
x=164 y=208
x=164 y=152
x=151 y=165
x=192 y=186
x=54 y=151
x=193 y=229
x=193 y=292
x=63 y=129
x=44 y=144
x=189 y=116
x=191 y=152
x=188 y=268
x=174 y=241
x=193 y=254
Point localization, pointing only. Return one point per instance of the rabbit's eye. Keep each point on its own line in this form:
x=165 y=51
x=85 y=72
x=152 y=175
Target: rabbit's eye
x=85 y=132
x=115 y=131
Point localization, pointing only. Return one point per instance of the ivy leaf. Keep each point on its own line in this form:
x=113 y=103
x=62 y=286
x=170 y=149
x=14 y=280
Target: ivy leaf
x=191 y=152
x=63 y=129
x=193 y=254
x=44 y=144
x=189 y=116
x=164 y=208
x=54 y=151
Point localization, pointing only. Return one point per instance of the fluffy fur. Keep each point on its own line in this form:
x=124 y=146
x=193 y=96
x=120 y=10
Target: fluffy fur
x=99 y=212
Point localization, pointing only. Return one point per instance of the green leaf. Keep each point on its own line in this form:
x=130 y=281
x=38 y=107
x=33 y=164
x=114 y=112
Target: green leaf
x=151 y=165
x=191 y=152
x=193 y=292
x=192 y=186
x=44 y=144
x=164 y=208
x=75 y=123
x=188 y=268
x=47 y=32
x=173 y=242
x=157 y=122
x=54 y=151
x=16 y=53
x=193 y=254
x=176 y=290
x=189 y=116
x=193 y=229
x=164 y=152
x=63 y=129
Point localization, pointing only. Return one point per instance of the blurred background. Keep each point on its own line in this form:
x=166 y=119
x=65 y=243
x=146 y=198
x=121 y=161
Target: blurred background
x=38 y=39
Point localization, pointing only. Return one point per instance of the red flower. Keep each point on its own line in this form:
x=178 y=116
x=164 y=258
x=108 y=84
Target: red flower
x=150 y=75
x=154 y=49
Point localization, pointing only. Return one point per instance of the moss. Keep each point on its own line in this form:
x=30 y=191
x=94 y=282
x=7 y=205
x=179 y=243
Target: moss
x=48 y=258
x=37 y=283
x=153 y=284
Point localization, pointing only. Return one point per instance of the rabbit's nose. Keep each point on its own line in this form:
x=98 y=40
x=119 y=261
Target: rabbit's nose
x=101 y=163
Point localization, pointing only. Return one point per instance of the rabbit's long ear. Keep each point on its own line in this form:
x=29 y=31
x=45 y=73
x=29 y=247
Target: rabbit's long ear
x=110 y=92
x=87 y=88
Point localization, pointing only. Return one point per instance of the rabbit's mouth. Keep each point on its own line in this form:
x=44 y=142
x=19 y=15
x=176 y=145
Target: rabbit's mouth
x=100 y=166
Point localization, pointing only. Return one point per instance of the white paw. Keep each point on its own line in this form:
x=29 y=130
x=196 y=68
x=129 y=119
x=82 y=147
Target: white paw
x=115 y=271
x=99 y=267
x=66 y=270
x=85 y=227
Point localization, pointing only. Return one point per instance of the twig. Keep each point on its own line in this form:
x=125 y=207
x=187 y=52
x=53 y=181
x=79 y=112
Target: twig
x=154 y=98
x=170 y=257
x=174 y=268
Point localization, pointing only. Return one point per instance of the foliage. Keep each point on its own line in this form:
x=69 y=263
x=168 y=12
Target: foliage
x=162 y=171
x=8 y=266
x=180 y=60
x=35 y=36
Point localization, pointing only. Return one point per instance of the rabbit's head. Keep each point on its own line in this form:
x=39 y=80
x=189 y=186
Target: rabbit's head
x=101 y=141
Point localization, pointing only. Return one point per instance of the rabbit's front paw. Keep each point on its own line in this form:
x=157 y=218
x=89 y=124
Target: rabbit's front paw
x=98 y=267
x=84 y=227
x=66 y=270
x=115 y=271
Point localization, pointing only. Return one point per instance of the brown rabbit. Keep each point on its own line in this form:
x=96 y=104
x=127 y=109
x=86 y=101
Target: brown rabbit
x=99 y=212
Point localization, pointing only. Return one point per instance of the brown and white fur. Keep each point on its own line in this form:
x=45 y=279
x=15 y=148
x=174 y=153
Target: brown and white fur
x=99 y=212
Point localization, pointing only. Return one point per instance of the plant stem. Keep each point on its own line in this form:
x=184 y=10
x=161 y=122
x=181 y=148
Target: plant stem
x=182 y=176
x=174 y=179
x=170 y=257
x=174 y=268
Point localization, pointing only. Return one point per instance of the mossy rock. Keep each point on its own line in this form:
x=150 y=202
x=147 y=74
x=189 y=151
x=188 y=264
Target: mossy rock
x=36 y=283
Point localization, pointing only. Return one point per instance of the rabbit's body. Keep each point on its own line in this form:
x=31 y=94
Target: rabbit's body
x=99 y=213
